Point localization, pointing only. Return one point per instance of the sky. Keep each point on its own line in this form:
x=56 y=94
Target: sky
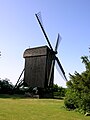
x=20 y=30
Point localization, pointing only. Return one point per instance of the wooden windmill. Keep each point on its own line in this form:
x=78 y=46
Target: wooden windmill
x=40 y=62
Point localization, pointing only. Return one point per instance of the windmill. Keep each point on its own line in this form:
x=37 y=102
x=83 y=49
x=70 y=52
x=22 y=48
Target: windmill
x=39 y=65
x=54 y=52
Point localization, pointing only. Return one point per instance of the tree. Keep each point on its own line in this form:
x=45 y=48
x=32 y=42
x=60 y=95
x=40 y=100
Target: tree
x=59 y=91
x=78 y=93
x=5 y=86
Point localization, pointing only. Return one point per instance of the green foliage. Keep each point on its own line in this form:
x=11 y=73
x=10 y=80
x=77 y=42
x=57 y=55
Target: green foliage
x=78 y=93
x=5 y=86
x=59 y=91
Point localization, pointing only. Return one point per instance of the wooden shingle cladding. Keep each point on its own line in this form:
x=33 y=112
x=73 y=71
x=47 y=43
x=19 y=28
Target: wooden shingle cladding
x=37 y=66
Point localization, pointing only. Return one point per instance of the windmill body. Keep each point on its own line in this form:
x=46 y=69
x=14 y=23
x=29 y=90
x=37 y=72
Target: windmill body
x=38 y=62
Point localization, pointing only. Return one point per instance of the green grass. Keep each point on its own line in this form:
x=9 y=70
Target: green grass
x=36 y=109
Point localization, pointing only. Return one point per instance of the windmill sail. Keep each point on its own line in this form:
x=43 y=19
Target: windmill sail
x=53 y=61
x=51 y=72
x=57 y=43
x=0 y=53
x=43 y=31
x=61 y=68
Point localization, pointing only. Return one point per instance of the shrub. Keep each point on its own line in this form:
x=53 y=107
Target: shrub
x=78 y=93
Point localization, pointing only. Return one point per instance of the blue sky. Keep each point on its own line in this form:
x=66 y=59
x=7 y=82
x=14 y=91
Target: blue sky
x=19 y=30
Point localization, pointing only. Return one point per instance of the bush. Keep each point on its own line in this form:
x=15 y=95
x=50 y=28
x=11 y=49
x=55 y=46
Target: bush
x=6 y=86
x=59 y=91
x=78 y=93
x=71 y=100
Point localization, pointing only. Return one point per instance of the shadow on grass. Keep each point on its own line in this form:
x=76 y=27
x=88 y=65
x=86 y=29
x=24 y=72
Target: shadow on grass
x=14 y=96
x=20 y=96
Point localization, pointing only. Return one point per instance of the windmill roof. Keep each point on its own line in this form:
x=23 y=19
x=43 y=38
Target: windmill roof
x=36 y=51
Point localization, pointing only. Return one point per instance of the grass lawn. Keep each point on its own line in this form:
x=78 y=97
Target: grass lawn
x=36 y=109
